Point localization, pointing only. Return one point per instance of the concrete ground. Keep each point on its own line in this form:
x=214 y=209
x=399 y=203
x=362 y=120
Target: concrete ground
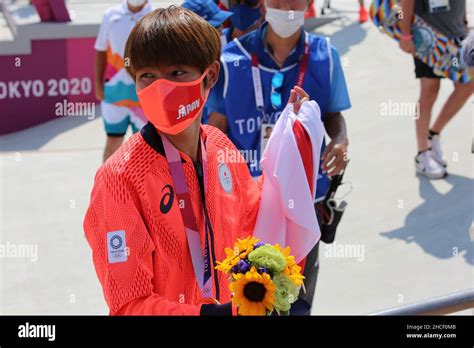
x=401 y=240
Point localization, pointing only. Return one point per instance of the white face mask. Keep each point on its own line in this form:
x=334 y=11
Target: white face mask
x=136 y=3
x=285 y=23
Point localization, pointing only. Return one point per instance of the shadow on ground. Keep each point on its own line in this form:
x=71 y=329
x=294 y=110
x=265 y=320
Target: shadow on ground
x=350 y=34
x=35 y=137
x=441 y=224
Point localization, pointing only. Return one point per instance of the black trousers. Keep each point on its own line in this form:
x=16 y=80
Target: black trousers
x=311 y=269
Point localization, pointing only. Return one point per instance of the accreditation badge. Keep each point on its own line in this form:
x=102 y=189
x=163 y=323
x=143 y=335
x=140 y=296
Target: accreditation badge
x=265 y=133
x=439 y=6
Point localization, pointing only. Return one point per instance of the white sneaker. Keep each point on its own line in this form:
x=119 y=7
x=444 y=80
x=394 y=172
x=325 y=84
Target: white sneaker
x=436 y=152
x=427 y=166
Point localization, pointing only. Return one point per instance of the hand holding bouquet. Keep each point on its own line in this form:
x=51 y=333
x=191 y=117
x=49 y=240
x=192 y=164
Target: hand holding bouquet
x=264 y=278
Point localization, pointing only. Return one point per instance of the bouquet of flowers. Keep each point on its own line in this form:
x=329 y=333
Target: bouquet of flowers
x=264 y=278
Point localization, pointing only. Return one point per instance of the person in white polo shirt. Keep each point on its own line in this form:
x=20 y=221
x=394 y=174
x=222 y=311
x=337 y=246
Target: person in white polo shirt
x=114 y=87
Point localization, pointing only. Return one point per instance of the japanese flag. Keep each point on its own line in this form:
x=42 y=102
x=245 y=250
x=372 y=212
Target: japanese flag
x=286 y=214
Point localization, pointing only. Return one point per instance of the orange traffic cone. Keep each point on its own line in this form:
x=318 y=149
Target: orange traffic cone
x=311 y=11
x=363 y=15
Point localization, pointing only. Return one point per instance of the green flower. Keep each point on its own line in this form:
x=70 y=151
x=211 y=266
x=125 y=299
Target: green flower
x=285 y=293
x=269 y=257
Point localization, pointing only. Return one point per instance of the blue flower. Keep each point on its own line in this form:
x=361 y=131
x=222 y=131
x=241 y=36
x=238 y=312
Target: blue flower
x=243 y=266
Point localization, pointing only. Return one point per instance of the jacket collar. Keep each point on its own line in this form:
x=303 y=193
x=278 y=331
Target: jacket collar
x=264 y=56
x=152 y=137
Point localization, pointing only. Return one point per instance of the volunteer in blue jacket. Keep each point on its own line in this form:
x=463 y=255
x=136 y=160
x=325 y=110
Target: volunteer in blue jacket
x=247 y=16
x=208 y=10
x=258 y=72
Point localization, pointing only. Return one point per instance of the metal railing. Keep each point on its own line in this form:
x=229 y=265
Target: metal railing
x=442 y=305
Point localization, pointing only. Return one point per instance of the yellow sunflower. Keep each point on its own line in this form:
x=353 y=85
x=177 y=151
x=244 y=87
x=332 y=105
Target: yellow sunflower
x=241 y=249
x=253 y=292
x=224 y=266
x=295 y=275
x=290 y=260
x=292 y=270
x=247 y=243
x=245 y=246
x=230 y=261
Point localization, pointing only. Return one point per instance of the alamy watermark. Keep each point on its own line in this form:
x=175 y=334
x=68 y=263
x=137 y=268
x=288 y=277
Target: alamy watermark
x=402 y=109
x=19 y=251
x=67 y=108
x=37 y=331
x=345 y=251
x=238 y=156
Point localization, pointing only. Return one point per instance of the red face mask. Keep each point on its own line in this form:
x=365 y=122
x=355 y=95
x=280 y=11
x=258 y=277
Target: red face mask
x=172 y=106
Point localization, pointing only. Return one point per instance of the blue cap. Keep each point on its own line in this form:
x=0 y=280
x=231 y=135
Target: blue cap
x=208 y=10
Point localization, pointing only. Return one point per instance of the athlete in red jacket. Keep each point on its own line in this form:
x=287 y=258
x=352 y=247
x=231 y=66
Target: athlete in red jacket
x=172 y=198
